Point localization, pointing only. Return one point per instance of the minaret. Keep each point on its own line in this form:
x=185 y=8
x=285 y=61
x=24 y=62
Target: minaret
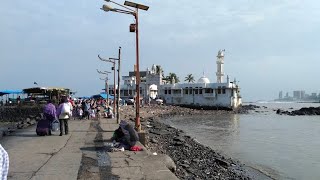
x=220 y=62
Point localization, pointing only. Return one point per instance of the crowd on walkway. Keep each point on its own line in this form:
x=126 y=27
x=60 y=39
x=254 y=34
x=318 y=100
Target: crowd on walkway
x=73 y=109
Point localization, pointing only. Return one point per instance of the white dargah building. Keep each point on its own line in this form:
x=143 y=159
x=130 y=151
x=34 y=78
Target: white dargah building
x=221 y=94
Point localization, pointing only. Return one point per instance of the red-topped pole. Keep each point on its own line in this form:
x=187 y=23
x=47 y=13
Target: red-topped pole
x=137 y=123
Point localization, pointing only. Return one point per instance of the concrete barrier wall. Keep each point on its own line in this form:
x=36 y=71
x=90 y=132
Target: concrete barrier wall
x=20 y=113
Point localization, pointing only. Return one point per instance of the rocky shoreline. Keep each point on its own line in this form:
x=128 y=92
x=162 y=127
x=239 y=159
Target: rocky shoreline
x=193 y=160
x=301 y=112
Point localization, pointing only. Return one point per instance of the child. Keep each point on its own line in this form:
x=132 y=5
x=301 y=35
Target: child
x=92 y=113
x=80 y=113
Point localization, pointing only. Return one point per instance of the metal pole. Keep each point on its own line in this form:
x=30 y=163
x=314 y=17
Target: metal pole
x=107 y=90
x=118 y=103
x=114 y=87
x=137 y=123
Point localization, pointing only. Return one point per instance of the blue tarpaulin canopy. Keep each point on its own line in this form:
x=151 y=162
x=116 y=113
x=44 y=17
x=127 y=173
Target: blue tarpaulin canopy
x=4 y=92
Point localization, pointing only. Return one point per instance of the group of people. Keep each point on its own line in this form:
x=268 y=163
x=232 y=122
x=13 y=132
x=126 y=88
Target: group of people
x=68 y=108
x=63 y=112
x=125 y=136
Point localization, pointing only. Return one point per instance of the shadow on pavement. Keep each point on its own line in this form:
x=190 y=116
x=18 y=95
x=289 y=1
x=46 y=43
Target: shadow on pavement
x=93 y=148
x=102 y=140
x=24 y=135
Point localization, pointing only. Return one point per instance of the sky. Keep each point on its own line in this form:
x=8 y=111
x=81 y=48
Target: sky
x=270 y=45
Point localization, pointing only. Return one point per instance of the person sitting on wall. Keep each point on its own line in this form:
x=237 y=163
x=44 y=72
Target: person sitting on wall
x=125 y=135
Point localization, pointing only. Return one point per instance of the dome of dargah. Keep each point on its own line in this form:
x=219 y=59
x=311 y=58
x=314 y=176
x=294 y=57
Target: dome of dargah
x=153 y=87
x=204 y=79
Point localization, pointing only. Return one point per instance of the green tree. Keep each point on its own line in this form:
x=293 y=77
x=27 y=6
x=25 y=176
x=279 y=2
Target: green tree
x=189 y=78
x=172 y=78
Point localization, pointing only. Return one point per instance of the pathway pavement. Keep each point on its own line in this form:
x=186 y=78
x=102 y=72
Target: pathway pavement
x=79 y=155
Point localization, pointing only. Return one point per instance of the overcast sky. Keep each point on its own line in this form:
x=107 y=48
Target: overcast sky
x=270 y=45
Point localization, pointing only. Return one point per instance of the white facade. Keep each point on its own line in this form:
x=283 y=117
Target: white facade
x=204 y=93
x=224 y=95
x=150 y=81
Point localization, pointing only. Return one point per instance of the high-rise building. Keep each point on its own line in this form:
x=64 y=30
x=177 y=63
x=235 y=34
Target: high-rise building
x=299 y=94
x=280 y=95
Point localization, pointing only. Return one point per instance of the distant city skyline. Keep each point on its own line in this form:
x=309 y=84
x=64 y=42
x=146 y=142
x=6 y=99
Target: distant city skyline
x=269 y=44
x=298 y=95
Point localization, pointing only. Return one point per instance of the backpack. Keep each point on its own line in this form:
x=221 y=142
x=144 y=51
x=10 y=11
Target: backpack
x=65 y=109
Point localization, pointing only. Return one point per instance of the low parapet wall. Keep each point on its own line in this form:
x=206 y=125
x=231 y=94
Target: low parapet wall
x=18 y=117
x=20 y=113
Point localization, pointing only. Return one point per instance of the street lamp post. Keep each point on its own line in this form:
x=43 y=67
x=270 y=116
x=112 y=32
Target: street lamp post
x=106 y=83
x=112 y=60
x=106 y=87
x=114 y=80
x=137 y=72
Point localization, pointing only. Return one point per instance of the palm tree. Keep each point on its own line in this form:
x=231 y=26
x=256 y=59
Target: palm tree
x=189 y=78
x=172 y=78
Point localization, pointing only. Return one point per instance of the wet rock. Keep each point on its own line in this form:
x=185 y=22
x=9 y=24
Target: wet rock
x=153 y=140
x=20 y=126
x=192 y=170
x=185 y=162
x=301 y=112
x=185 y=165
x=187 y=145
x=178 y=143
x=32 y=122
x=27 y=120
x=178 y=138
x=195 y=160
x=222 y=162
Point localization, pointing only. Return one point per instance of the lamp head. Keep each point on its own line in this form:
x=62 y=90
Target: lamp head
x=107 y=8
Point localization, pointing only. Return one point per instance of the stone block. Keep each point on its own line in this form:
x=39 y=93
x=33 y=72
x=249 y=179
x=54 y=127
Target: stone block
x=142 y=137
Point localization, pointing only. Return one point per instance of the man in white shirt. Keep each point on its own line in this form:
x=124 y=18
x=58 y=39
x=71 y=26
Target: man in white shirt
x=4 y=163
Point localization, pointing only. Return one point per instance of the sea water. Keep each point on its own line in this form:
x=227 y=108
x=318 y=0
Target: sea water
x=280 y=146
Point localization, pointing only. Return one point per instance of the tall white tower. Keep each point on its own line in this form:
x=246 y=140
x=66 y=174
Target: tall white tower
x=220 y=62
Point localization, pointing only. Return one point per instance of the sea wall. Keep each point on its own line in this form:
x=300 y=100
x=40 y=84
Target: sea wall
x=19 y=113
x=18 y=117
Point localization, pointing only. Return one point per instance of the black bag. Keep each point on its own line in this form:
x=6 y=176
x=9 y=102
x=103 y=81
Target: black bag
x=43 y=127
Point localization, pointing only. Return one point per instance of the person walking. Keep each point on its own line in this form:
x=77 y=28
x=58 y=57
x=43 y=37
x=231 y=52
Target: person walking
x=50 y=113
x=64 y=114
x=4 y=163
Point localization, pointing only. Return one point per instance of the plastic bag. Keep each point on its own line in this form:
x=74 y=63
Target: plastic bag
x=55 y=125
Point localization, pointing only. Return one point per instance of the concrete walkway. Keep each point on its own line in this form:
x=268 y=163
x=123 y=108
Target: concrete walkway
x=79 y=155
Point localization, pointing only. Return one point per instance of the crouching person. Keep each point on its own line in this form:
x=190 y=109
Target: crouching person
x=126 y=136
